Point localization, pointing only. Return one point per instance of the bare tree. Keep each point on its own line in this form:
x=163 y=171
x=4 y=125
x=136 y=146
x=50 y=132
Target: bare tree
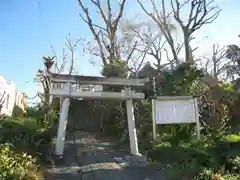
x=72 y=45
x=150 y=43
x=201 y=12
x=161 y=18
x=110 y=46
x=217 y=62
x=129 y=43
x=59 y=68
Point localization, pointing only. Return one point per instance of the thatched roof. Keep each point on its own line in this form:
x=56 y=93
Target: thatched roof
x=146 y=71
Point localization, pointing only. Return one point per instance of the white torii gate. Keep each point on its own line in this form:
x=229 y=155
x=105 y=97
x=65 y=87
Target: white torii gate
x=66 y=86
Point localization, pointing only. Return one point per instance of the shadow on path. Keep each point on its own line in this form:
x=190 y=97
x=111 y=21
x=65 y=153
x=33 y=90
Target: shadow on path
x=92 y=158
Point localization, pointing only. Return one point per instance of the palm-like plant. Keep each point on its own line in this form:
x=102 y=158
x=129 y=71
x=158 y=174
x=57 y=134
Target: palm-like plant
x=48 y=62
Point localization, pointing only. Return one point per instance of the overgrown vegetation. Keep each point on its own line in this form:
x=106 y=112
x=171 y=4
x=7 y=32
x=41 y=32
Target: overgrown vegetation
x=19 y=166
x=215 y=157
x=123 y=48
x=25 y=143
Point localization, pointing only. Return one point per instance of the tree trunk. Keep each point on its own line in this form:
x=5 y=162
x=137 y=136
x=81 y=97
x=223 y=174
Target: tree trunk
x=188 y=53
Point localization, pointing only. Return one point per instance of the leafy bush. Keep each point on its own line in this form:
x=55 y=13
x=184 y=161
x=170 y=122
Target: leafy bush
x=26 y=136
x=18 y=132
x=179 y=81
x=206 y=174
x=203 y=160
x=231 y=138
x=17 y=166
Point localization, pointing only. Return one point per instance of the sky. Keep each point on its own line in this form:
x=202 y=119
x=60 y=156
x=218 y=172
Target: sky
x=28 y=29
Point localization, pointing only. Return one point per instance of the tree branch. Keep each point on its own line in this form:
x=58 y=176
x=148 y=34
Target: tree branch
x=91 y=27
x=161 y=21
x=106 y=34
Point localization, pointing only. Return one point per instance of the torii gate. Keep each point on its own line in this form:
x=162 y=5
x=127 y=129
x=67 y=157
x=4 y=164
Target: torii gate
x=66 y=86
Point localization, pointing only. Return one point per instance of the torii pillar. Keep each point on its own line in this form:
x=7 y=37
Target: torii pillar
x=62 y=126
x=131 y=124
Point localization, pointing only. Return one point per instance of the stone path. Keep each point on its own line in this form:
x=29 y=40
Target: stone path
x=92 y=158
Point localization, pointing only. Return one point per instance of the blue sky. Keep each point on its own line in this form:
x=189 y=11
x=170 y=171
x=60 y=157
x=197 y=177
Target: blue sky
x=29 y=27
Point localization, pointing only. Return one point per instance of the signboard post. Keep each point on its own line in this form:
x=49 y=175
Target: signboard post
x=154 y=120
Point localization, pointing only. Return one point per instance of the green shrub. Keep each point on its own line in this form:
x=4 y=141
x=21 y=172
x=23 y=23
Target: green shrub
x=167 y=153
x=17 y=166
x=226 y=148
x=209 y=174
x=231 y=138
x=183 y=170
x=219 y=159
x=233 y=164
x=26 y=136
x=20 y=133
